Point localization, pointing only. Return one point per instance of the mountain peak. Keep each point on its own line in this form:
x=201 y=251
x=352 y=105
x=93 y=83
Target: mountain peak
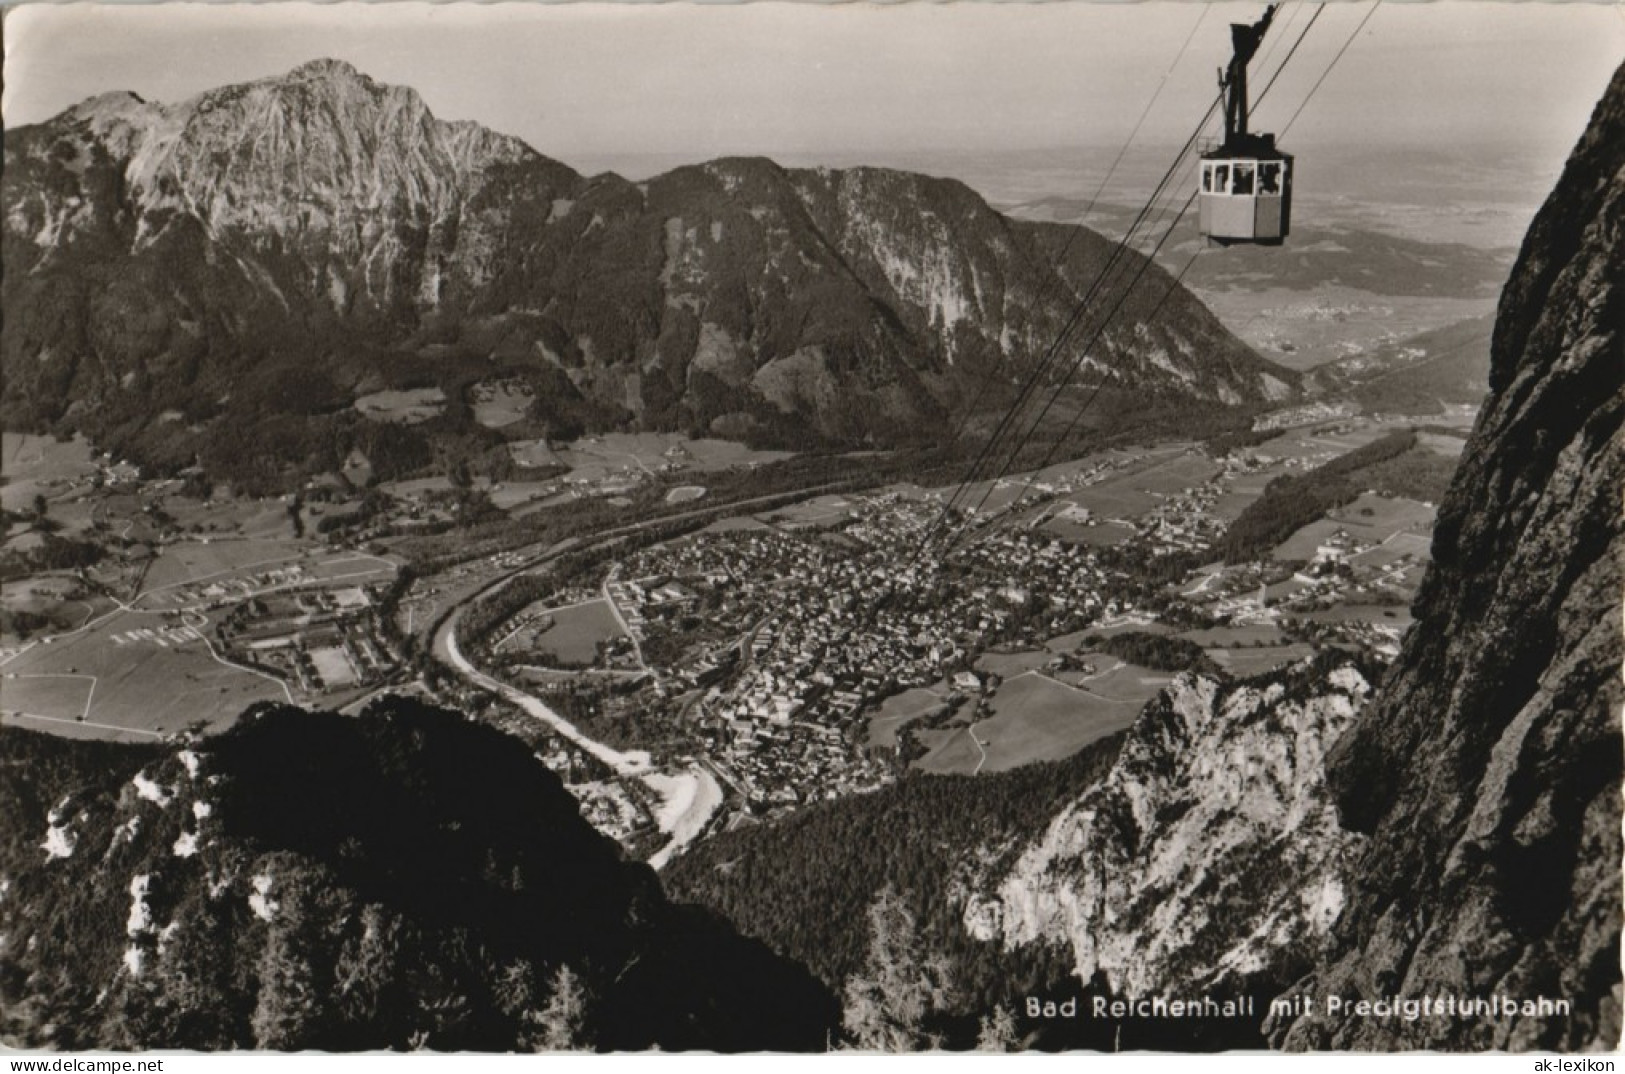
x=325 y=67
x=113 y=105
x=345 y=201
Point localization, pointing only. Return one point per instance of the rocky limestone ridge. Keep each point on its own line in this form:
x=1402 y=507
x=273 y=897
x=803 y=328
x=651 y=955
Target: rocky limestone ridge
x=355 y=176
x=154 y=253
x=1210 y=856
x=323 y=137
x=1486 y=777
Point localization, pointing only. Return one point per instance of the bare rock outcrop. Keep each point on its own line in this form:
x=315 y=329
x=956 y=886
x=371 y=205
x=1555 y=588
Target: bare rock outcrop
x=1487 y=774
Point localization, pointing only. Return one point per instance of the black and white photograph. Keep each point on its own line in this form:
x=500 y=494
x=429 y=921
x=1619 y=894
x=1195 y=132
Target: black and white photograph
x=825 y=528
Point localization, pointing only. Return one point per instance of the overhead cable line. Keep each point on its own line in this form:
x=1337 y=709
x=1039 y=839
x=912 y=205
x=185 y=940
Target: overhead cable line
x=1047 y=361
x=970 y=407
x=1331 y=65
x=1145 y=265
x=1112 y=171
x=1173 y=286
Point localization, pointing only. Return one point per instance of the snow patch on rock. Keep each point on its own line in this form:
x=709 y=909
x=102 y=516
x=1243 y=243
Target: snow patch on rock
x=127 y=831
x=260 y=900
x=140 y=919
x=151 y=791
x=1349 y=681
x=59 y=843
x=60 y=839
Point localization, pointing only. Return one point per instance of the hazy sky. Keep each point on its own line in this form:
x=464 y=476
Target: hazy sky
x=596 y=83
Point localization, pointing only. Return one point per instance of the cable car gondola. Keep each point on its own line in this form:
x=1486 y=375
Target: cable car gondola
x=1246 y=183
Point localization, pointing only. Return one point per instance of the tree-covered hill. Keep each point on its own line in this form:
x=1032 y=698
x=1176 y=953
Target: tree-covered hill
x=401 y=879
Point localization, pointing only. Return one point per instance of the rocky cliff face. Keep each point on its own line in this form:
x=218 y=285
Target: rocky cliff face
x=352 y=174
x=1486 y=777
x=1210 y=856
x=400 y=879
x=324 y=223
x=1457 y=838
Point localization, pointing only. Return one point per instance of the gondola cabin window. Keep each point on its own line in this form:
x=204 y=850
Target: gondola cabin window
x=1264 y=178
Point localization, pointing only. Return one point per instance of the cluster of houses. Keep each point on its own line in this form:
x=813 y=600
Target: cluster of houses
x=783 y=706
x=318 y=639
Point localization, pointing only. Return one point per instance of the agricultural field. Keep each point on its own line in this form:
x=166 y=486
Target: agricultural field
x=593 y=458
x=1371 y=519
x=1283 y=591
x=1067 y=643
x=1141 y=487
x=61 y=600
x=75 y=730
x=1119 y=681
x=1251 y=485
x=902 y=709
x=1035 y=718
x=1102 y=534
x=1244 y=491
x=1302 y=330
x=1418 y=546
x=817 y=512
x=710 y=455
x=255 y=519
x=1136 y=485
x=685 y=493
x=991 y=497
x=532 y=454
x=1309 y=446
x=512 y=494
x=1302 y=544
x=735 y=524
x=1245 y=662
x=356 y=568
x=191 y=561
x=195 y=575
x=404 y=406
x=1392 y=615
x=130 y=673
x=40 y=466
x=1340 y=438
x=417 y=486
x=1009 y=665
x=1384 y=515
x=568 y=636
x=1237 y=636
x=1459 y=416
x=74 y=513
x=501 y=403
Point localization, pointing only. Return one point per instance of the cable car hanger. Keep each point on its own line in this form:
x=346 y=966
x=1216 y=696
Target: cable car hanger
x=1245 y=194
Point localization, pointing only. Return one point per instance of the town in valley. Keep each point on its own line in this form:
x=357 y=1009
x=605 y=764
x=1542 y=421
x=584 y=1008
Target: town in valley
x=749 y=661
